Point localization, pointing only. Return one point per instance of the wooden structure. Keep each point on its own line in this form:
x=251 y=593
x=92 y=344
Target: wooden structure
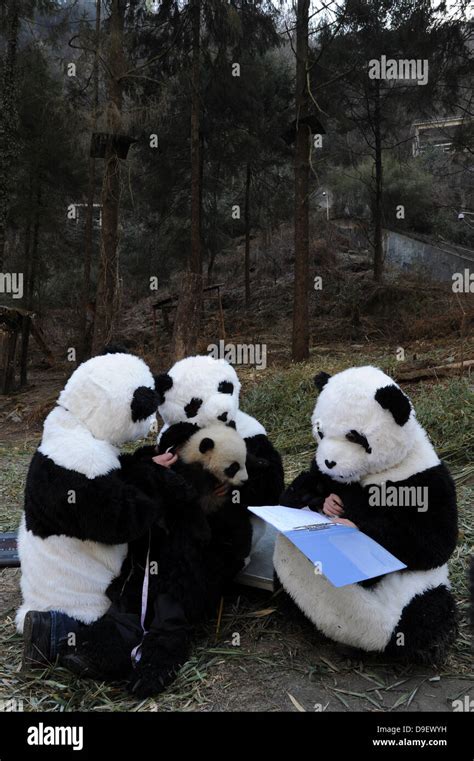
x=169 y=304
x=15 y=328
x=437 y=133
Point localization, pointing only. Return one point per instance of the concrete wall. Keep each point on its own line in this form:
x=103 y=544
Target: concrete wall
x=440 y=261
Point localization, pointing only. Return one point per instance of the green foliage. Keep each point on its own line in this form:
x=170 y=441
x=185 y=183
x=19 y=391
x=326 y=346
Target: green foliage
x=284 y=401
x=408 y=183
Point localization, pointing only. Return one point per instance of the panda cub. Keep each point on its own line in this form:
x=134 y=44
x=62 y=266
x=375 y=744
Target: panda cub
x=198 y=544
x=208 y=457
x=213 y=460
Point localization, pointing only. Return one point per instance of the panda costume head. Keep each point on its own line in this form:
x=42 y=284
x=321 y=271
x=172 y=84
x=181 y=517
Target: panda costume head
x=365 y=426
x=199 y=389
x=108 y=400
x=113 y=396
x=203 y=390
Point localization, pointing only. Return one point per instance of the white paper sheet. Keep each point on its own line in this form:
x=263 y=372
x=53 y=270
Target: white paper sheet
x=288 y=518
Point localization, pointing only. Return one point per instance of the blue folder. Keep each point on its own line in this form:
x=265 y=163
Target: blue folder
x=343 y=554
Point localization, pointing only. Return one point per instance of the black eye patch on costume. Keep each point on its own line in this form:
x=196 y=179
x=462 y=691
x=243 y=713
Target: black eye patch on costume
x=226 y=387
x=205 y=445
x=144 y=403
x=320 y=434
x=231 y=424
x=192 y=408
x=359 y=438
x=232 y=470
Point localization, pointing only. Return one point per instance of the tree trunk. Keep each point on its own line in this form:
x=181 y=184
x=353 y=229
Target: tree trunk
x=247 y=235
x=195 y=262
x=35 y=263
x=108 y=281
x=31 y=268
x=212 y=249
x=8 y=123
x=25 y=328
x=86 y=328
x=188 y=314
x=378 y=201
x=300 y=338
x=25 y=339
x=188 y=317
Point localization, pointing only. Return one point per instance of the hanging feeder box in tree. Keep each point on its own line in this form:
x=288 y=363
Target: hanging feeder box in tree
x=102 y=141
x=289 y=136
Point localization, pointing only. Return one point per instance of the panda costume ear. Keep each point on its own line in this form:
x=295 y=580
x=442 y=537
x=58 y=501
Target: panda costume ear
x=163 y=383
x=206 y=445
x=113 y=349
x=144 y=403
x=320 y=380
x=391 y=398
x=176 y=435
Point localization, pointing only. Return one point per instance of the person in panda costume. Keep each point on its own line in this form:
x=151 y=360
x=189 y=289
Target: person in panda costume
x=174 y=576
x=203 y=390
x=370 y=444
x=84 y=501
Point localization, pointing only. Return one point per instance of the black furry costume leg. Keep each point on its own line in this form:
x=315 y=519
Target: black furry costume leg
x=103 y=649
x=165 y=648
x=431 y=620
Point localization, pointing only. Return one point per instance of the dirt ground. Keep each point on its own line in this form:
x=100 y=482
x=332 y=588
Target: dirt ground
x=281 y=665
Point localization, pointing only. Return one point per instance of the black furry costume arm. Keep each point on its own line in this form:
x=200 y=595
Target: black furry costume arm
x=311 y=488
x=265 y=473
x=307 y=489
x=111 y=509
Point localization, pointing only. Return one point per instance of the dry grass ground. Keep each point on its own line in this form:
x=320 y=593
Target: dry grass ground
x=281 y=664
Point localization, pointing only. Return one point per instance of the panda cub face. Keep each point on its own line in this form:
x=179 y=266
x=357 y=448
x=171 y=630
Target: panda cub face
x=363 y=423
x=200 y=390
x=220 y=451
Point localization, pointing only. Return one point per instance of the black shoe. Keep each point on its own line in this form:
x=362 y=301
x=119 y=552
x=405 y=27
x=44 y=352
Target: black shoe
x=36 y=640
x=80 y=665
